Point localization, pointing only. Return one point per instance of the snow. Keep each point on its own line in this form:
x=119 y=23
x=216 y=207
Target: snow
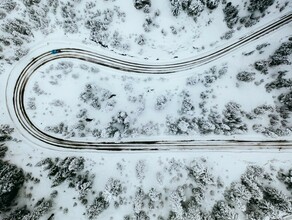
x=228 y=164
x=148 y=104
x=63 y=81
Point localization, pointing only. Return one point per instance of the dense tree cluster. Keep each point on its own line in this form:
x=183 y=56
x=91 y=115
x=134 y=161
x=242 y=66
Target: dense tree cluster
x=262 y=109
x=278 y=125
x=233 y=118
x=252 y=197
x=260 y=5
x=98 y=26
x=5 y=132
x=7 y=5
x=83 y=184
x=68 y=13
x=31 y=2
x=245 y=76
x=260 y=201
x=256 y=195
x=200 y=174
x=255 y=9
x=222 y=211
x=230 y=14
x=161 y=102
x=139 y=4
x=286 y=100
x=62 y=170
x=97 y=207
x=70 y=170
x=38 y=15
x=280 y=82
x=175 y=7
x=11 y=180
x=18 y=29
x=11 y=177
x=113 y=189
x=148 y=129
x=262 y=66
x=3 y=150
x=231 y=123
x=98 y=97
x=212 y=4
x=187 y=105
x=180 y=126
x=119 y=126
x=285 y=177
x=209 y=76
x=281 y=55
x=192 y=7
x=41 y=208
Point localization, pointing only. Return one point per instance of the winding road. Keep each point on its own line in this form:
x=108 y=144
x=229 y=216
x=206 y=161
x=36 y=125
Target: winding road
x=19 y=115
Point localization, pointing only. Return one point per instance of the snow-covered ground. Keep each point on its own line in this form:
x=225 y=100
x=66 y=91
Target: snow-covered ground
x=84 y=101
x=243 y=95
x=164 y=174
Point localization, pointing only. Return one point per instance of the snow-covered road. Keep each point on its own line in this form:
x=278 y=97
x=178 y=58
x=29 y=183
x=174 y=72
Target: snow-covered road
x=17 y=84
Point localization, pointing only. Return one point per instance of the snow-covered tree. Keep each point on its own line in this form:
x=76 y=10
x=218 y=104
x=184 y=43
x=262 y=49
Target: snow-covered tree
x=139 y=203
x=176 y=7
x=99 y=205
x=261 y=66
x=280 y=82
x=281 y=55
x=139 y=4
x=119 y=126
x=3 y=150
x=200 y=174
x=41 y=208
x=192 y=7
x=8 y=5
x=18 y=214
x=260 y=5
x=212 y=4
x=245 y=76
x=230 y=15
x=233 y=118
x=222 y=211
x=113 y=189
x=286 y=100
x=31 y=2
x=195 y=7
x=286 y=178
x=278 y=199
x=182 y=125
x=5 y=132
x=83 y=184
x=11 y=180
x=140 y=169
x=187 y=107
x=61 y=170
x=161 y=102
x=18 y=29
